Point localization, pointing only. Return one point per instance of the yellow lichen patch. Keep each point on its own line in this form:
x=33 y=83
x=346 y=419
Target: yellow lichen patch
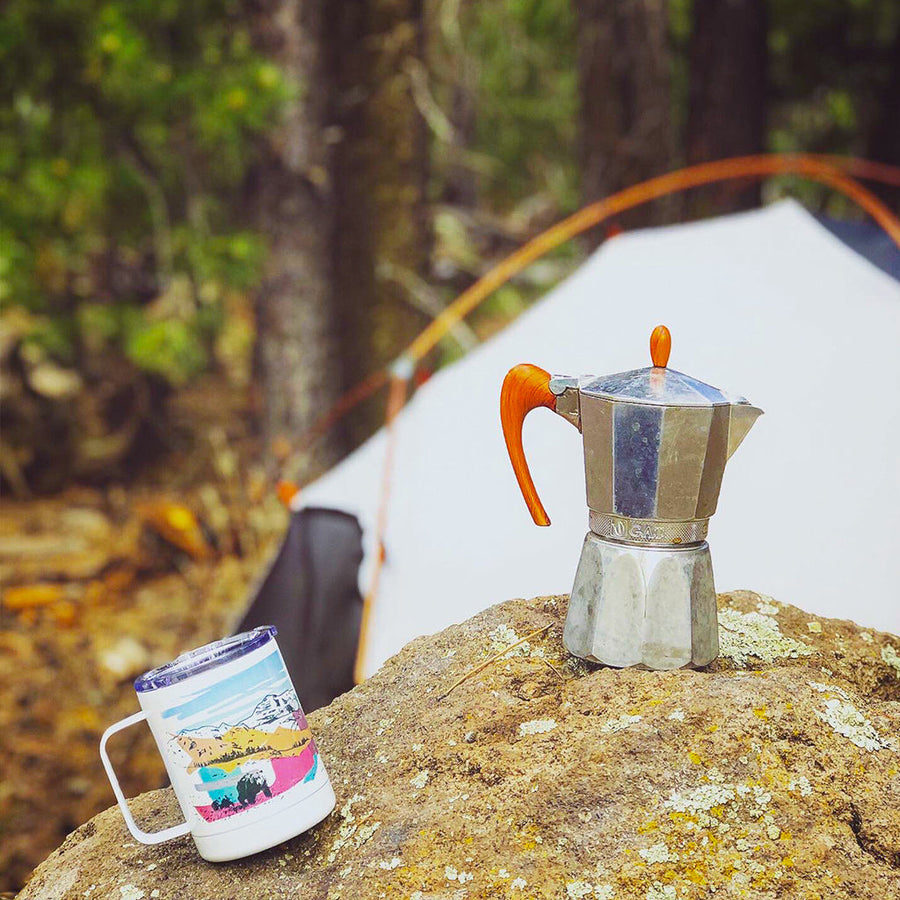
x=647 y=827
x=760 y=713
x=529 y=838
x=695 y=758
x=712 y=729
x=682 y=817
x=788 y=862
x=695 y=876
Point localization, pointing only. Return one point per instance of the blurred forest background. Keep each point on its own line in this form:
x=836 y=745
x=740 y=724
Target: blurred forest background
x=217 y=216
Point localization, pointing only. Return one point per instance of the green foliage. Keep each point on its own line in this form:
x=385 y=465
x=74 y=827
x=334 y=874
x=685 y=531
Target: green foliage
x=126 y=131
x=681 y=25
x=168 y=347
x=831 y=69
x=517 y=59
x=527 y=89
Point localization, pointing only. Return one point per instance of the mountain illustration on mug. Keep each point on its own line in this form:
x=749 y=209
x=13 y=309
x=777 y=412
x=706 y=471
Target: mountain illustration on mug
x=240 y=764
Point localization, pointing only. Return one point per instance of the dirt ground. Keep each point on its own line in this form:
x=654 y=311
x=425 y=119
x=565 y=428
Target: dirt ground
x=99 y=585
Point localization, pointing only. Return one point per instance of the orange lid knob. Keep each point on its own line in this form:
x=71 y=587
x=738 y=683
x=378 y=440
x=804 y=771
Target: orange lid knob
x=660 y=346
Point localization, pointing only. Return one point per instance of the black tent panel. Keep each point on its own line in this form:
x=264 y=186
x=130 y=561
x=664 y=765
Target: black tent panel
x=311 y=595
x=869 y=240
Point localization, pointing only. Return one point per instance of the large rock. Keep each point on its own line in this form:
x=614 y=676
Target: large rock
x=776 y=773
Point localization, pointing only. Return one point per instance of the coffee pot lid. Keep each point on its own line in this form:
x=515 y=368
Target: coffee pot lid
x=657 y=384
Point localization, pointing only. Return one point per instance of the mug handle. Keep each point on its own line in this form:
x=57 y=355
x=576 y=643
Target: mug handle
x=145 y=837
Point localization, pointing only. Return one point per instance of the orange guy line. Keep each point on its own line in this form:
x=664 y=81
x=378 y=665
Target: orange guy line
x=396 y=401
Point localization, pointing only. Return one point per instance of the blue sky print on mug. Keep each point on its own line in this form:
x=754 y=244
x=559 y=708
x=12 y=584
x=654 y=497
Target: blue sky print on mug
x=231 y=699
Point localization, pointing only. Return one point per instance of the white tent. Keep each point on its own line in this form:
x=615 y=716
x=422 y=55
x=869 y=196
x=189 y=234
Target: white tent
x=767 y=304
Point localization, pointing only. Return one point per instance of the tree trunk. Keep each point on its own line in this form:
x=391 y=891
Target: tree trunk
x=883 y=138
x=727 y=95
x=298 y=347
x=341 y=198
x=625 y=82
x=380 y=174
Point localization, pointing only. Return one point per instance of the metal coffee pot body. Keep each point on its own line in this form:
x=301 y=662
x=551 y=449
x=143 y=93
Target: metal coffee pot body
x=656 y=443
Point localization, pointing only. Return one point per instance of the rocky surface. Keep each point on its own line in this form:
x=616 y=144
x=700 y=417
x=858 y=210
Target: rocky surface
x=775 y=773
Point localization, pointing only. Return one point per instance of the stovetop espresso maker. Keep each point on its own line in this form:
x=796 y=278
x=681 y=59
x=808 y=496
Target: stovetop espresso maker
x=655 y=446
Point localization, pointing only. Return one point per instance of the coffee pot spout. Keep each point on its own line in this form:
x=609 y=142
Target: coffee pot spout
x=743 y=415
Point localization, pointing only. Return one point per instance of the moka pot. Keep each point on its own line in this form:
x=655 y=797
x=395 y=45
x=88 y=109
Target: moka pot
x=655 y=446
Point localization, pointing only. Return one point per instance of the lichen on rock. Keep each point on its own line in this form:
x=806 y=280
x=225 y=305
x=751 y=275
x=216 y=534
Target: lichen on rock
x=892 y=658
x=742 y=635
x=769 y=774
x=619 y=724
x=847 y=720
x=658 y=853
x=537 y=726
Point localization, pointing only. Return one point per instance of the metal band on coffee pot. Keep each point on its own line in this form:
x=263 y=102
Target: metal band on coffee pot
x=648 y=531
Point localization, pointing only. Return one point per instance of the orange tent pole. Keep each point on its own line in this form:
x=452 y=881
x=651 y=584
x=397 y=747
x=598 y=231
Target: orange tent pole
x=706 y=173
x=816 y=167
x=865 y=168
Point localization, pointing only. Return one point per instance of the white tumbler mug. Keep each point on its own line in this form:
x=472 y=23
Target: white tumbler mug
x=240 y=756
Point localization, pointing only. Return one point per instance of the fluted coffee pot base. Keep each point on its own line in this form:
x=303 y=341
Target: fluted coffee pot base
x=643 y=606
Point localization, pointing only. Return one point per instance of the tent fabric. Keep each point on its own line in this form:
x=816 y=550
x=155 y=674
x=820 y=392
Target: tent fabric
x=311 y=595
x=767 y=304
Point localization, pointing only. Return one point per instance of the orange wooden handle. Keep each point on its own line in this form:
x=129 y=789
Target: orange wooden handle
x=525 y=388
